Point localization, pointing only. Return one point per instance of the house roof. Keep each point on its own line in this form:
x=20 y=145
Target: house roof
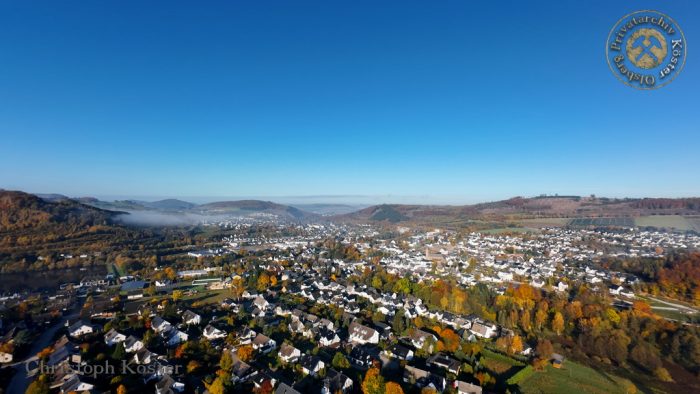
x=361 y=331
x=283 y=388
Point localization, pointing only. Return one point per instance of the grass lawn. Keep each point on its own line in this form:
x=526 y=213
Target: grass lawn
x=573 y=378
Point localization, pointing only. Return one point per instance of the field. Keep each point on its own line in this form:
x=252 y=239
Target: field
x=544 y=222
x=602 y=222
x=676 y=222
x=671 y=222
x=573 y=378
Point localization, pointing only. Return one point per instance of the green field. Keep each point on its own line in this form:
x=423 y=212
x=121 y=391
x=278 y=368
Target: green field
x=676 y=222
x=573 y=378
x=671 y=222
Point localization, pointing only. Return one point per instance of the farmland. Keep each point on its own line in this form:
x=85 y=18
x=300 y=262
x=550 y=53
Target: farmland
x=675 y=222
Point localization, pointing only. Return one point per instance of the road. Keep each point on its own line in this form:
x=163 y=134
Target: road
x=20 y=381
x=677 y=306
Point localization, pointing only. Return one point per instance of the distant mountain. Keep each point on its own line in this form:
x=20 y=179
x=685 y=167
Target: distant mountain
x=170 y=204
x=247 y=207
x=328 y=209
x=525 y=208
x=136 y=205
x=19 y=210
x=118 y=205
x=52 y=196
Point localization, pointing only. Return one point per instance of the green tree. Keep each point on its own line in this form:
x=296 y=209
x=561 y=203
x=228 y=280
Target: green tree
x=226 y=361
x=340 y=361
x=398 y=322
x=119 y=352
x=402 y=285
x=377 y=282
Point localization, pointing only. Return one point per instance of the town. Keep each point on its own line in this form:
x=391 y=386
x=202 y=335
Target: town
x=333 y=308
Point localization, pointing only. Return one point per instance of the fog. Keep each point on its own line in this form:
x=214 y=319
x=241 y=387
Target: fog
x=152 y=218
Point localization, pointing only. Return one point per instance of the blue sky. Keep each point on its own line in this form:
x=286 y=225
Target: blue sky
x=410 y=101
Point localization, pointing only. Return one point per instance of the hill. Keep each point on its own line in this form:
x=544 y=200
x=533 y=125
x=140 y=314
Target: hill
x=169 y=204
x=19 y=210
x=520 y=208
x=248 y=207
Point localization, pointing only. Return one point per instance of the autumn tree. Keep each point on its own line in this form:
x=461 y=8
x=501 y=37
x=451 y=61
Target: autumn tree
x=219 y=385
x=263 y=281
x=558 y=323
x=237 y=287
x=544 y=349
x=393 y=388
x=194 y=366
x=245 y=353
x=170 y=273
x=39 y=386
x=373 y=382
x=450 y=340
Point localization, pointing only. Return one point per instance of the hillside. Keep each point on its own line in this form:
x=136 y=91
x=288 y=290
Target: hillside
x=520 y=208
x=247 y=207
x=19 y=210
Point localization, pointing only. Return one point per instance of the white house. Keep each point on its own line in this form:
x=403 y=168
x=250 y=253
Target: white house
x=289 y=353
x=176 y=337
x=483 y=330
x=264 y=344
x=420 y=338
x=112 y=337
x=211 y=333
x=158 y=324
x=79 y=328
x=132 y=344
x=191 y=318
x=75 y=384
x=311 y=365
x=360 y=334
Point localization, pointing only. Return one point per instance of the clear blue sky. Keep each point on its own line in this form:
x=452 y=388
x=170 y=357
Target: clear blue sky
x=426 y=101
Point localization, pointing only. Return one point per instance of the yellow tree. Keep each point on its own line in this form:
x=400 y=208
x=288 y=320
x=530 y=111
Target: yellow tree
x=393 y=388
x=245 y=353
x=558 y=323
x=170 y=273
x=540 y=318
x=525 y=320
x=237 y=287
x=263 y=281
x=516 y=344
x=373 y=382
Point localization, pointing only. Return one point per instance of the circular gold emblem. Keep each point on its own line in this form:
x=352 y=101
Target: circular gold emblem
x=646 y=48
